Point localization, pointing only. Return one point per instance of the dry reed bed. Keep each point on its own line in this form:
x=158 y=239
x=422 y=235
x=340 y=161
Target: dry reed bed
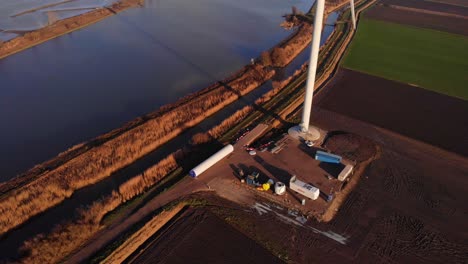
x=143 y=234
x=65 y=238
x=98 y=163
x=283 y=54
x=234 y=119
x=90 y=218
x=79 y=149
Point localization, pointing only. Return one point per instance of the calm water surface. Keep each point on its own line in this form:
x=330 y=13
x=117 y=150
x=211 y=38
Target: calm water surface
x=80 y=85
x=85 y=196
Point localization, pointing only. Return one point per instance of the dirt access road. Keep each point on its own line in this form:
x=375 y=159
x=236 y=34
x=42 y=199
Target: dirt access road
x=185 y=187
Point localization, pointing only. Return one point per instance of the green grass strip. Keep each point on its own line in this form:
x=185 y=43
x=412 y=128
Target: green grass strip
x=430 y=59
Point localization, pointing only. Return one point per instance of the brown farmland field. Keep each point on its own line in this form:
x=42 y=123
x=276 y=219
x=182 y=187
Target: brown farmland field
x=428 y=5
x=442 y=23
x=198 y=236
x=139 y=237
x=409 y=206
x=413 y=112
x=463 y=3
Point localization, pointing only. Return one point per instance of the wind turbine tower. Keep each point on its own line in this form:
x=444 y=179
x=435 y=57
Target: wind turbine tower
x=307 y=131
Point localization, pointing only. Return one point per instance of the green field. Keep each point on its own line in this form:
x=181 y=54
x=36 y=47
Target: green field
x=431 y=59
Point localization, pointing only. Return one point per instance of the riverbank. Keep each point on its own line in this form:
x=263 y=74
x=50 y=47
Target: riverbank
x=91 y=162
x=263 y=109
x=88 y=163
x=101 y=161
x=62 y=27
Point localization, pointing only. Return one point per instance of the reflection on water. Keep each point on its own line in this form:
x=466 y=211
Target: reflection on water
x=87 y=195
x=88 y=82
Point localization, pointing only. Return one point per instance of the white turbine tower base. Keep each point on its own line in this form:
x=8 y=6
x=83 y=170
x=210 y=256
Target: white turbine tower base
x=313 y=134
x=305 y=130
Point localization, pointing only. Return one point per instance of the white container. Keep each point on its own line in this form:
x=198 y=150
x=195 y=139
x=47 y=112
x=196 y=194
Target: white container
x=202 y=167
x=280 y=188
x=348 y=169
x=303 y=188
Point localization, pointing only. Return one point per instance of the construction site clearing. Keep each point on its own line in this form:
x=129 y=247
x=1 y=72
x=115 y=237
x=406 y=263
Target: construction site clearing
x=291 y=172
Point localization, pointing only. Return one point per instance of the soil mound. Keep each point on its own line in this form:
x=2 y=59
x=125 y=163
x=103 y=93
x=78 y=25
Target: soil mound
x=350 y=146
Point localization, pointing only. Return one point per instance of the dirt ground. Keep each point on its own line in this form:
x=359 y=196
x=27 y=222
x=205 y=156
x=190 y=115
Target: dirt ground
x=463 y=3
x=198 y=236
x=414 y=112
x=295 y=158
x=427 y=5
x=409 y=207
x=442 y=23
x=350 y=146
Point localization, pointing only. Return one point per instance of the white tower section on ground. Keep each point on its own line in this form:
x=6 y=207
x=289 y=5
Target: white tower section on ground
x=318 y=22
x=202 y=167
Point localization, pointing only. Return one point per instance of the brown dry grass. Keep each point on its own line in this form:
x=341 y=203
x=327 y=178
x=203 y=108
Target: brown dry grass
x=229 y=122
x=217 y=131
x=67 y=237
x=283 y=54
x=200 y=138
x=279 y=85
x=88 y=225
x=98 y=163
x=140 y=183
x=139 y=237
x=234 y=119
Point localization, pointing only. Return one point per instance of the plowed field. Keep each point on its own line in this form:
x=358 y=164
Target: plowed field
x=411 y=111
x=198 y=236
x=442 y=23
x=428 y=5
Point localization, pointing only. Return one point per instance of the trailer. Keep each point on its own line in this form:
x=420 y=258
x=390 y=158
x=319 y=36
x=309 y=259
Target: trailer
x=202 y=167
x=327 y=157
x=303 y=188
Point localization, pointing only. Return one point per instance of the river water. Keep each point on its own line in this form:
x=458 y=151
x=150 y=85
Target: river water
x=85 y=196
x=83 y=84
